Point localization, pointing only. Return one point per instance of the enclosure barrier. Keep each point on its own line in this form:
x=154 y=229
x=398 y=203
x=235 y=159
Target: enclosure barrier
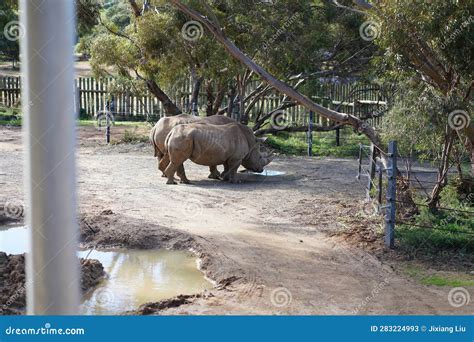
x=391 y=173
x=52 y=268
x=92 y=96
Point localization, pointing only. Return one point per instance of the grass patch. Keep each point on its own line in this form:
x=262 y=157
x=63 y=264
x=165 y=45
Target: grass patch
x=10 y=117
x=442 y=230
x=417 y=240
x=324 y=144
x=14 y=122
x=132 y=137
x=438 y=278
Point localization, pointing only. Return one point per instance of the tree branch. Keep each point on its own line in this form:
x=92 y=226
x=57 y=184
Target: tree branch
x=276 y=83
x=297 y=129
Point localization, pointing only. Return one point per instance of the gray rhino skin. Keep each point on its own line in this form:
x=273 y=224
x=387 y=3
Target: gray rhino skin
x=232 y=145
x=163 y=127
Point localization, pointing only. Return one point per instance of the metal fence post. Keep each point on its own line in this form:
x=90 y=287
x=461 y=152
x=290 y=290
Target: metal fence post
x=310 y=134
x=391 y=195
x=107 y=127
x=379 y=187
x=52 y=268
x=371 y=174
x=360 y=161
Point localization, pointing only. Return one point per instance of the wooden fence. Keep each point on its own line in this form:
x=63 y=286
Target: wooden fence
x=10 y=91
x=92 y=96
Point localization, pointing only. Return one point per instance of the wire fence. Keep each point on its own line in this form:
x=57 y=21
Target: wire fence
x=394 y=195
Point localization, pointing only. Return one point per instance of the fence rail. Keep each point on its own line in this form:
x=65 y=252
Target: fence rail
x=362 y=100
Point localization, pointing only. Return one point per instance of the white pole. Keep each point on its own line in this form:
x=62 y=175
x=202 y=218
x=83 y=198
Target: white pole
x=48 y=104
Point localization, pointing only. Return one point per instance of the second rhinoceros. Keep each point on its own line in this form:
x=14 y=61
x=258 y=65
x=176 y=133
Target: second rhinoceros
x=163 y=127
x=232 y=145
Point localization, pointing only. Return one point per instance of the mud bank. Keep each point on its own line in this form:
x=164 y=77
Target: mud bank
x=12 y=281
x=107 y=229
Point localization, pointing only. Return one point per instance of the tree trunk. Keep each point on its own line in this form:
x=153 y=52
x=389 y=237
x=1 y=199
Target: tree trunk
x=231 y=96
x=210 y=98
x=469 y=143
x=195 y=94
x=219 y=98
x=443 y=169
x=169 y=106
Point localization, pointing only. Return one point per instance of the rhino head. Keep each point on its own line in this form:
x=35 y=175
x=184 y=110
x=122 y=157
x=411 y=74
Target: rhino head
x=256 y=160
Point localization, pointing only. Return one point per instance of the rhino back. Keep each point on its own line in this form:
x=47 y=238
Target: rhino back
x=215 y=144
x=166 y=124
x=218 y=120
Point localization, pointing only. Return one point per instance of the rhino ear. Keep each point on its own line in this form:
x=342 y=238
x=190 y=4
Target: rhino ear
x=262 y=140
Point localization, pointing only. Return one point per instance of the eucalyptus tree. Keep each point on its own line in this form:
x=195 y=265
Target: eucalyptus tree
x=430 y=41
x=11 y=30
x=428 y=46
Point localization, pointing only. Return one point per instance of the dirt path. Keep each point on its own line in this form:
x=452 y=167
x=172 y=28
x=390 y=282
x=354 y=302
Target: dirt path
x=271 y=229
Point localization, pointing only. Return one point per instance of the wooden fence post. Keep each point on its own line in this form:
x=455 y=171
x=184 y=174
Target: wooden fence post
x=310 y=134
x=391 y=195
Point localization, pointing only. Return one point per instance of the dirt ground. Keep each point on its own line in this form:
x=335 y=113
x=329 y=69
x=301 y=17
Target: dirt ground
x=266 y=242
x=82 y=69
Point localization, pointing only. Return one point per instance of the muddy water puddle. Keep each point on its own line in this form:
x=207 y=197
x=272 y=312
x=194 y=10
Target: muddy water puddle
x=134 y=277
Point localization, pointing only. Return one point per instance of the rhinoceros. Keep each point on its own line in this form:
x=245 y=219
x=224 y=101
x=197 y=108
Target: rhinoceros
x=163 y=127
x=232 y=145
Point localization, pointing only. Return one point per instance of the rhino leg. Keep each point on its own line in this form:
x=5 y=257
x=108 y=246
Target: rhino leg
x=182 y=175
x=163 y=163
x=215 y=174
x=230 y=170
x=170 y=171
